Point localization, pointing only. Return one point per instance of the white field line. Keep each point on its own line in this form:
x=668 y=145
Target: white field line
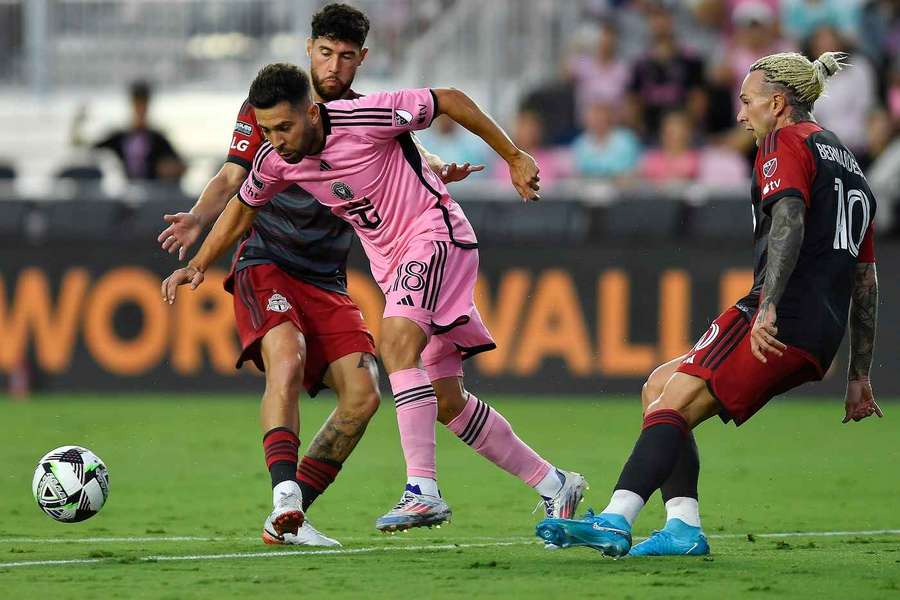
x=191 y=538
x=274 y=553
x=388 y=548
x=399 y=538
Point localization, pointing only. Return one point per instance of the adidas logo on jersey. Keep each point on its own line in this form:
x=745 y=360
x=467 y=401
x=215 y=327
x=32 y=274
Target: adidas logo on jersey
x=406 y=301
x=324 y=166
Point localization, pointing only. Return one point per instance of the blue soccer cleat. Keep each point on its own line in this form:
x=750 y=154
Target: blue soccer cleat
x=677 y=538
x=609 y=533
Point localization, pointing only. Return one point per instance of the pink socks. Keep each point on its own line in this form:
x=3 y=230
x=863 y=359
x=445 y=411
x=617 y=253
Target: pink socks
x=491 y=436
x=416 y=415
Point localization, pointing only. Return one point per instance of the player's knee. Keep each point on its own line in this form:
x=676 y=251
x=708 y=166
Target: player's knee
x=649 y=393
x=286 y=372
x=360 y=405
x=398 y=350
x=449 y=406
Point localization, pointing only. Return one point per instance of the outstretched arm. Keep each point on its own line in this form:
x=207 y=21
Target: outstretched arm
x=185 y=227
x=860 y=401
x=462 y=109
x=230 y=226
x=448 y=172
x=785 y=240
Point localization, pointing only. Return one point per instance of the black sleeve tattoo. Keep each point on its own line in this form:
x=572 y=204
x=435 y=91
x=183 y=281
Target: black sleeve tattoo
x=785 y=239
x=863 y=319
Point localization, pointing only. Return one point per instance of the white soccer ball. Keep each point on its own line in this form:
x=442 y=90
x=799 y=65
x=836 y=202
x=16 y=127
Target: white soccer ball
x=70 y=484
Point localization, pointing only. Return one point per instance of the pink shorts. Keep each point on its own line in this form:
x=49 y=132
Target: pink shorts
x=434 y=286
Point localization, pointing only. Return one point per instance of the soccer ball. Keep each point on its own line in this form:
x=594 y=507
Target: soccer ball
x=70 y=484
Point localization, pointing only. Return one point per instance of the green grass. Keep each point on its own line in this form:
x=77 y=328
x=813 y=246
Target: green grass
x=193 y=466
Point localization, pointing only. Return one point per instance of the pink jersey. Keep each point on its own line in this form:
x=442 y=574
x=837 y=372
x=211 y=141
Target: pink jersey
x=371 y=175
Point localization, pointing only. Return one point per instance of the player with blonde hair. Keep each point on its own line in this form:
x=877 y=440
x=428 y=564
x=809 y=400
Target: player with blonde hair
x=814 y=267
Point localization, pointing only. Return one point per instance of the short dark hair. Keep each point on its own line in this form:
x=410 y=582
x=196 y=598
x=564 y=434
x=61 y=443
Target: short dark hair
x=279 y=82
x=341 y=22
x=140 y=90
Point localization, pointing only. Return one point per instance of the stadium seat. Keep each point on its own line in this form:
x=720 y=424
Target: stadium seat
x=81 y=181
x=638 y=216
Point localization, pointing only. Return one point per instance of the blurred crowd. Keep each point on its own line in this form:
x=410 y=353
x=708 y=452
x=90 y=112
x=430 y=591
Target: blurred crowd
x=647 y=92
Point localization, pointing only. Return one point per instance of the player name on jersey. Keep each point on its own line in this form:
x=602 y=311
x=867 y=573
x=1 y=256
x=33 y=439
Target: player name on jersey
x=841 y=156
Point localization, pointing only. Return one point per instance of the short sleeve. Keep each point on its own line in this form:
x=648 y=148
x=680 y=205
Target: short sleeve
x=784 y=167
x=246 y=138
x=384 y=115
x=264 y=180
x=867 y=247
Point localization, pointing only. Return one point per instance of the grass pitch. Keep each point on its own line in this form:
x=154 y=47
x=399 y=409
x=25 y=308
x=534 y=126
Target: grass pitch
x=189 y=494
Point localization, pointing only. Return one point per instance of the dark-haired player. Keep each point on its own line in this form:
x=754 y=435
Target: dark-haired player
x=423 y=255
x=293 y=314
x=814 y=268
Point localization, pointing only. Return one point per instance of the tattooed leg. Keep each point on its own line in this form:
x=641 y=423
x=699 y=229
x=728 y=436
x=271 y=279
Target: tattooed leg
x=355 y=379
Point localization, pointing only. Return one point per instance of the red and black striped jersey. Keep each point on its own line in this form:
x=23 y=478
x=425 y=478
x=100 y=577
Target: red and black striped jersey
x=805 y=161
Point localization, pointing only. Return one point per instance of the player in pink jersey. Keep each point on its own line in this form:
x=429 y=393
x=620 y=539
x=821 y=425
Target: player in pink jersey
x=358 y=158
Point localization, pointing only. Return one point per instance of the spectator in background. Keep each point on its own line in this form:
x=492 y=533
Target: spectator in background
x=445 y=138
x=666 y=78
x=800 y=18
x=675 y=161
x=604 y=150
x=528 y=134
x=892 y=92
x=146 y=154
x=600 y=77
x=850 y=95
x=880 y=31
x=721 y=166
x=756 y=34
x=880 y=131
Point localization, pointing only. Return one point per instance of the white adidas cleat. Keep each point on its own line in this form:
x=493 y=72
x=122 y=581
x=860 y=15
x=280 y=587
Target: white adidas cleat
x=307 y=535
x=287 y=516
x=414 y=510
x=564 y=503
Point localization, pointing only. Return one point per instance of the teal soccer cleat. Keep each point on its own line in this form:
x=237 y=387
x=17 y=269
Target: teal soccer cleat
x=608 y=533
x=677 y=538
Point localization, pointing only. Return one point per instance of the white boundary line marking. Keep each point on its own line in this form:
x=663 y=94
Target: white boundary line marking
x=385 y=548
x=467 y=539
x=191 y=538
x=273 y=553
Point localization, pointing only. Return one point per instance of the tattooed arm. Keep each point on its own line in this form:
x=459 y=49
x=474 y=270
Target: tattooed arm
x=860 y=401
x=785 y=239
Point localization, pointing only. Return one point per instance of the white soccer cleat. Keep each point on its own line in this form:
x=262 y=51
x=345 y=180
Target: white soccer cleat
x=564 y=503
x=307 y=535
x=287 y=516
x=414 y=510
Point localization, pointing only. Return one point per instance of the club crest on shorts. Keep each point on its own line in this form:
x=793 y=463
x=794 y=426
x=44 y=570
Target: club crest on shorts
x=278 y=303
x=769 y=167
x=341 y=190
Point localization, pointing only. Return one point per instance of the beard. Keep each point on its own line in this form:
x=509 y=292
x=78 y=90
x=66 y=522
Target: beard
x=326 y=94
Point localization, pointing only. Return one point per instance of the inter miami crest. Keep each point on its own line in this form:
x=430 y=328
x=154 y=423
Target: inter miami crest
x=341 y=191
x=402 y=117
